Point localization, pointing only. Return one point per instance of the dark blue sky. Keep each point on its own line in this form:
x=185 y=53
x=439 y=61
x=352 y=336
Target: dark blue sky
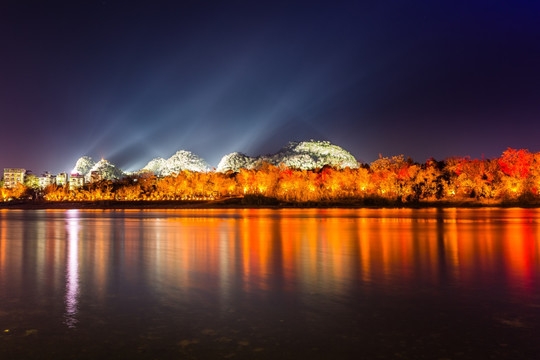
x=132 y=80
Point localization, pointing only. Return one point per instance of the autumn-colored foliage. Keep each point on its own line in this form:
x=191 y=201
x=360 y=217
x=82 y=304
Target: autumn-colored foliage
x=17 y=192
x=513 y=176
x=516 y=163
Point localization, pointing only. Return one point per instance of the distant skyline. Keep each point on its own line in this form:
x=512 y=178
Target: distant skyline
x=133 y=80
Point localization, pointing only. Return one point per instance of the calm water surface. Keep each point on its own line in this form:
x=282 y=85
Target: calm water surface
x=270 y=284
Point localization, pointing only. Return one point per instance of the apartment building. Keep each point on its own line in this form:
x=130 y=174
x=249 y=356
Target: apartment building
x=13 y=177
x=76 y=181
x=46 y=180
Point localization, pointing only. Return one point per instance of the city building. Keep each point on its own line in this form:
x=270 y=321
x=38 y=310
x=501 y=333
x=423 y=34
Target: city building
x=61 y=179
x=95 y=176
x=76 y=181
x=13 y=177
x=46 y=179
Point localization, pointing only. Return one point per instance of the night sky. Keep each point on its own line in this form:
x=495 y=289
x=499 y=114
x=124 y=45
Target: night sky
x=133 y=80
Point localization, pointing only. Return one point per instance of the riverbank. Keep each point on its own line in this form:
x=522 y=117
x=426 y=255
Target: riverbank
x=256 y=202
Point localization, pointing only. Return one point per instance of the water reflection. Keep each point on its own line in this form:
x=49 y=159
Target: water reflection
x=266 y=250
x=334 y=277
x=72 y=269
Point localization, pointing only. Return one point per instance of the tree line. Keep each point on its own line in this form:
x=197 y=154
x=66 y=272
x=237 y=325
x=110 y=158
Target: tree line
x=514 y=176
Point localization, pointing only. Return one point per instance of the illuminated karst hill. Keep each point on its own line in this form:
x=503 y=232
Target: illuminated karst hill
x=305 y=155
x=235 y=161
x=83 y=165
x=107 y=171
x=181 y=160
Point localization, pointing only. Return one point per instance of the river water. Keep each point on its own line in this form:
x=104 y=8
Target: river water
x=270 y=284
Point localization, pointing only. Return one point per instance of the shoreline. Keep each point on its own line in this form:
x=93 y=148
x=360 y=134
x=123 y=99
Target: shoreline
x=259 y=203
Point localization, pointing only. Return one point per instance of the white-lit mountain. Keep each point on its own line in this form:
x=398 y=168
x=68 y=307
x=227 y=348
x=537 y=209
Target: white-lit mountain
x=300 y=155
x=106 y=170
x=83 y=165
x=103 y=169
x=235 y=161
x=303 y=155
x=181 y=160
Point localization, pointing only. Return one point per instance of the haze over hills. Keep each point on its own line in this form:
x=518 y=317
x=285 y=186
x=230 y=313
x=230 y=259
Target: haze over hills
x=303 y=155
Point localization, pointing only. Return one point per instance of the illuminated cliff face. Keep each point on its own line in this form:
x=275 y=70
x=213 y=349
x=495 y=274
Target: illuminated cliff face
x=313 y=154
x=304 y=155
x=180 y=161
x=83 y=166
x=105 y=170
x=236 y=161
x=156 y=165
